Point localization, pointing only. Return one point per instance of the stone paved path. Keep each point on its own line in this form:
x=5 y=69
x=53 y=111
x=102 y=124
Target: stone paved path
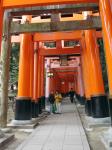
x=58 y=132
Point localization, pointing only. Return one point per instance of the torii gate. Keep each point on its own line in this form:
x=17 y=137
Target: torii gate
x=104 y=6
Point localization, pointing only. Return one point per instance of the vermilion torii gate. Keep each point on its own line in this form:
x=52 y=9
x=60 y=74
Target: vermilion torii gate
x=94 y=90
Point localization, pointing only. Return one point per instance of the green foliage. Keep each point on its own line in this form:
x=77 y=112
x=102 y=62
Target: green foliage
x=14 y=62
x=71 y=43
x=103 y=64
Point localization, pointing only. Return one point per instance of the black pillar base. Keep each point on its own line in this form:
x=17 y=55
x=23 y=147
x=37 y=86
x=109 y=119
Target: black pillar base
x=76 y=96
x=36 y=109
x=88 y=107
x=40 y=105
x=23 y=108
x=43 y=102
x=81 y=100
x=100 y=107
x=33 y=109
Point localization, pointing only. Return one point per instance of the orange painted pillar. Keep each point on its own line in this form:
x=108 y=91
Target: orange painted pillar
x=80 y=86
x=111 y=4
x=106 y=19
x=42 y=82
x=51 y=82
x=23 y=101
x=98 y=97
x=39 y=82
x=32 y=78
x=74 y=84
x=86 y=77
x=42 y=76
x=38 y=77
x=77 y=89
x=31 y=68
x=35 y=106
x=35 y=71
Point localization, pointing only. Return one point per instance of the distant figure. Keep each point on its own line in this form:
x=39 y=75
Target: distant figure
x=52 y=101
x=58 y=100
x=71 y=94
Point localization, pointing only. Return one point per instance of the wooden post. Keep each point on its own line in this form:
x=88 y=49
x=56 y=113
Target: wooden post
x=106 y=19
x=80 y=85
x=47 y=78
x=31 y=68
x=99 y=100
x=23 y=100
x=5 y=63
x=42 y=76
x=86 y=77
x=39 y=77
x=32 y=76
x=35 y=83
x=1 y=23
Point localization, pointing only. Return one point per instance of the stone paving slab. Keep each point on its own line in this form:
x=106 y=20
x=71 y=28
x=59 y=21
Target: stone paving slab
x=58 y=132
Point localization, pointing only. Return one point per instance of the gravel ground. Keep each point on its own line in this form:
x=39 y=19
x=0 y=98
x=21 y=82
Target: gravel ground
x=20 y=136
x=93 y=135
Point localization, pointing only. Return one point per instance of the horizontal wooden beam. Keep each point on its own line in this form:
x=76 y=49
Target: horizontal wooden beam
x=55 y=9
x=26 y=3
x=91 y=23
x=62 y=51
x=55 y=36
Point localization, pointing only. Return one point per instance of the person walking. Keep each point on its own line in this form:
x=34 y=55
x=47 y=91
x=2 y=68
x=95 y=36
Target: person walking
x=52 y=101
x=58 y=100
x=71 y=94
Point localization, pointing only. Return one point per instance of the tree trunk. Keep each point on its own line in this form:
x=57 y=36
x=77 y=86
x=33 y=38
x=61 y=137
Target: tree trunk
x=4 y=62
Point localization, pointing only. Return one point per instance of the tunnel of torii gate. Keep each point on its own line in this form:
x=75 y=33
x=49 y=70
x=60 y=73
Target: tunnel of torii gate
x=43 y=69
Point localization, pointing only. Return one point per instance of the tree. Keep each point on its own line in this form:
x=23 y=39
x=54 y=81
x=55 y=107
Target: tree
x=103 y=64
x=14 y=62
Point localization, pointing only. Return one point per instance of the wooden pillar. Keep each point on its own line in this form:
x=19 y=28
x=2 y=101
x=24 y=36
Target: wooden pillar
x=39 y=77
x=32 y=77
x=40 y=80
x=98 y=97
x=31 y=68
x=35 y=106
x=52 y=82
x=86 y=77
x=80 y=86
x=23 y=101
x=35 y=71
x=1 y=23
x=42 y=76
x=5 y=63
x=106 y=19
x=42 y=86
x=111 y=4
x=47 y=92
x=77 y=89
